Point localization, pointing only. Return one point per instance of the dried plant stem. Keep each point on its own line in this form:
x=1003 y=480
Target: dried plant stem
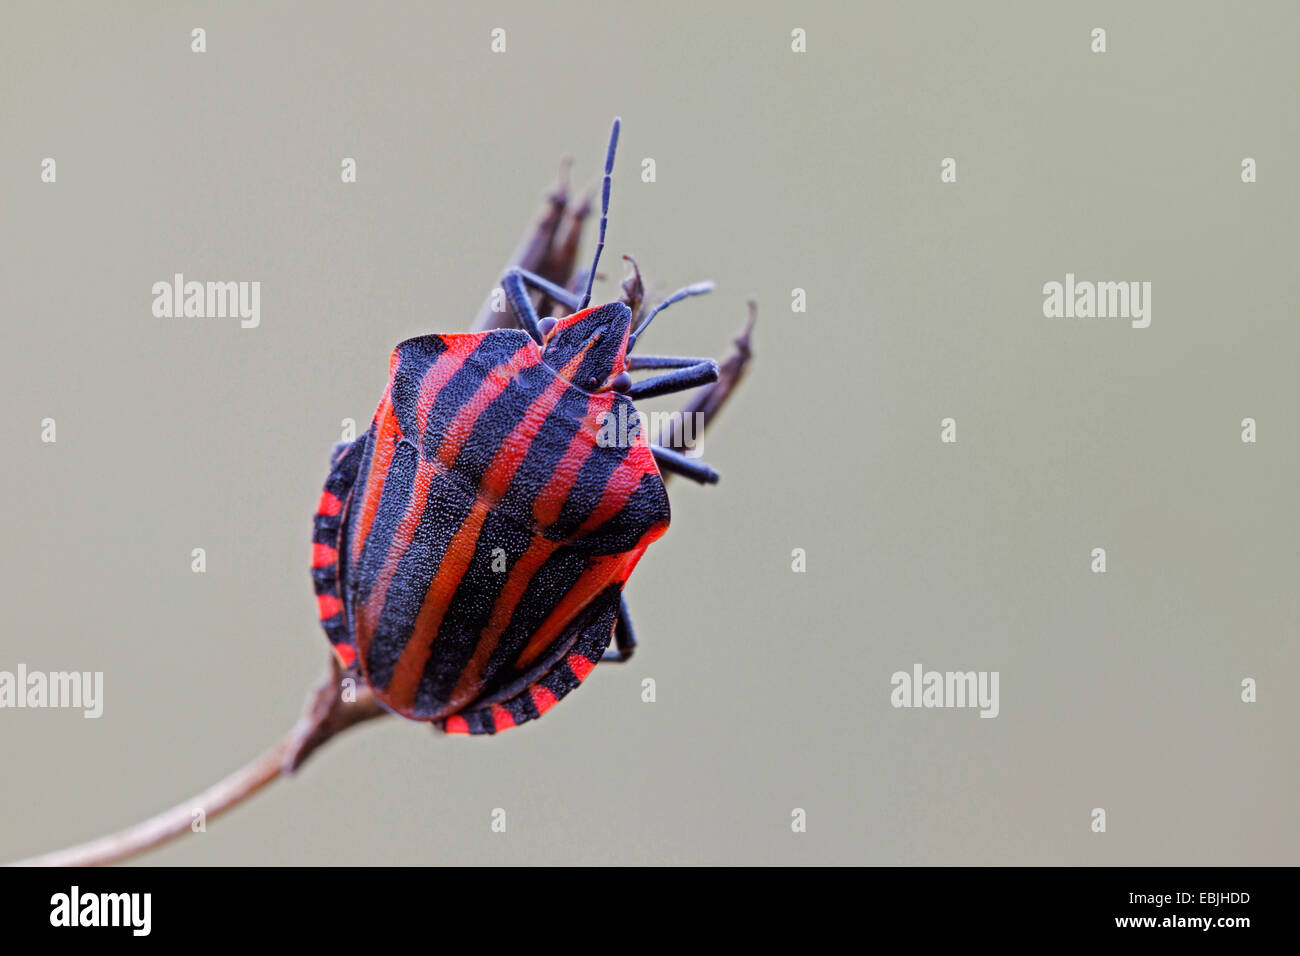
x=326 y=714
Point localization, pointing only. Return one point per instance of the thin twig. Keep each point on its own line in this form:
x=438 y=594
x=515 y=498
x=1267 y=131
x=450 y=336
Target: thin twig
x=325 y=715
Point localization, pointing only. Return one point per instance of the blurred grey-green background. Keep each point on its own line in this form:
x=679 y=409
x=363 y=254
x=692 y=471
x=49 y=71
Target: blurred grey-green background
x=776 y=170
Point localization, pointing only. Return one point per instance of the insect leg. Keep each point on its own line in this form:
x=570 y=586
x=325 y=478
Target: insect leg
x=635 y=362
x=679 y=464
x=624 y=636
x=695 y=288
x=522 y=305
x=702 y=373
x=560 y=294
x=704 y=406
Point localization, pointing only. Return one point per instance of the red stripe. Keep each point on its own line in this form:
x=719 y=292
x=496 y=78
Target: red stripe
x=622 y=484
x=515 y=446
x=329 y=605
x=329 y=504
x=501 y=717
x=493 y=384
x=580 y=666
x=543 y=699
x=550 y=499
x=346 y=653
x=322 y=555
x=385 y=426
x=459 y=348
x=601 y=571
x=456 y=725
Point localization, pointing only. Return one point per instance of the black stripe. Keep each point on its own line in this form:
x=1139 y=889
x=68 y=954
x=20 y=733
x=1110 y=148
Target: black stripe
x=446 y=508
x=522 y=708
x=480 y=722
x=471 y=608
x=398 y=486
x=587 y=491
x=548 y=448
x=495 y=423
x=560 y=681
x=336 y=630
x=595 y=366
x=645 y=507
x=325 y=579
x=496 y=349
x=553 y=580
x=415 y=358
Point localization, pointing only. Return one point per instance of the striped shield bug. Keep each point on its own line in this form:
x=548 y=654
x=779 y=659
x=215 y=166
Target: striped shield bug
x=470 y=549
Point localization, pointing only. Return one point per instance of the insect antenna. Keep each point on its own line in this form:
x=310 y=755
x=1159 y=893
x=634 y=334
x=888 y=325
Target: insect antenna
x=604 y=211
x=695 y=288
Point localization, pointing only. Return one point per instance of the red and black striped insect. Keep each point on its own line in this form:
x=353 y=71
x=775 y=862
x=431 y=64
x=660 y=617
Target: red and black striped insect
x=471 y=548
